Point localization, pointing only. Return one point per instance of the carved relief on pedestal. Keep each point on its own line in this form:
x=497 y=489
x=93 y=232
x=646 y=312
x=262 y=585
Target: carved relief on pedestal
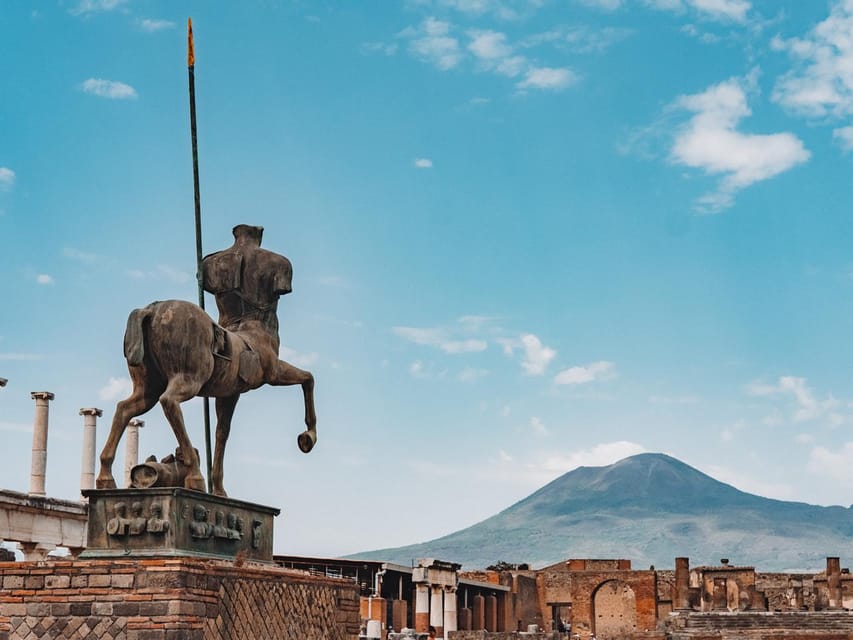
x=137 y=524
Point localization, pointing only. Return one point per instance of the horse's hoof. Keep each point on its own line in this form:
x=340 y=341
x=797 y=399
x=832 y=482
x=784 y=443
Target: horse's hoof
x=105 y=483
x=195 y=484
x=220 y=492
x=306 y=441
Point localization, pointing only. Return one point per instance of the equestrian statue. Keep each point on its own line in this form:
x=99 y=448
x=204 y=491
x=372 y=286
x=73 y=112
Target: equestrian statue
x=175 y=352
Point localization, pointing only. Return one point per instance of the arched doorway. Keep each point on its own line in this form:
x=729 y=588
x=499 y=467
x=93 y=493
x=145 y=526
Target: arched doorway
x=614 y=610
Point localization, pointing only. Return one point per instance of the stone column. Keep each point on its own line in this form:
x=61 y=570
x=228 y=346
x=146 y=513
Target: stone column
x=682 y=584
x=34 y=551
x=491 y=613
x=450 y=622
x=131 y=452
x=39 y=460
x=833 y=581
x=90 y=420
x=421 y=607
x=436 y=613
x=479 y=613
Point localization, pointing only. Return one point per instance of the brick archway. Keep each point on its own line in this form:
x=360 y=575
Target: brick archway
x=614 y=610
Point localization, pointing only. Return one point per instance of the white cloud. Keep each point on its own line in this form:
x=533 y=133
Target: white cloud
x=116 y=389
x=836 y=465
x=150 y=25
x=432 y=42
x=438 y=338
x=86 y=7
x=44 y=278
x=109 y=89
x=296 y=358
x=503 y=456
x=488 y=45
x=536 y=355
x=586 y=40
x=821 y=80
x=7 y=178
x=601 y=370
x=537 y=426
x=710 y=142
x=607 y=5
x=547 y=78
x=423 y=163
x=379 y=47
x=804 y=438
x=844 y=137
x=597 y=456
x=808 y=407
x=417 y=369
x=729 y=10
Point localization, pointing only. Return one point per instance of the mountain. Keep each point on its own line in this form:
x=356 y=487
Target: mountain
x=648 y=508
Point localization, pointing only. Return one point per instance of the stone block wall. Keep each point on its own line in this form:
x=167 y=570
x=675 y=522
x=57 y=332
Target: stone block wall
x=171 y=599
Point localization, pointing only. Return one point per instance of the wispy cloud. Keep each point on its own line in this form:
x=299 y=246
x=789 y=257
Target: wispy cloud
x=727 y=10
x=7 y=178
x=151 y=25
x=78 y=255
x=808 y=406
x=601 y=370
x=710 y=142
x=161 y=272
x=44 y=278
x=547 y=78
x=537 y=426
x=843 y=136
x=111 y=89
x=18 y=427
x=384 y=48
x=115 y=389
x=87 y=7
x=440 y=339
x=20 y=357
x=433 y=43
x=439 y=43
x=835 y=464
x=422 y=163
x=298 y=358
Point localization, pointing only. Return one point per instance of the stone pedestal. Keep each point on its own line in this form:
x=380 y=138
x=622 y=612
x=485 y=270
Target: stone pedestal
x=176 y=522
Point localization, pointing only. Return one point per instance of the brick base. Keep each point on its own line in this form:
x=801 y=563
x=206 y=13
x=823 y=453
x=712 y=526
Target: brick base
x=172 y=599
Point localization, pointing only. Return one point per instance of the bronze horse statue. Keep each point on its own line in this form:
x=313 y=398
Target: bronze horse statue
x=175 y=352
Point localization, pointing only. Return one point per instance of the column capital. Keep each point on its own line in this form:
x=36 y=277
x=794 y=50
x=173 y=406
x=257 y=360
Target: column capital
x=91 y=411
x=136 y=422
x=450 y=588
x=41 y=395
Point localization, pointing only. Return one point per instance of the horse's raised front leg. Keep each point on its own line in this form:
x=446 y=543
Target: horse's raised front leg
x=224 y=413
x=180 y=389
x=141 y=399
x=286 y=374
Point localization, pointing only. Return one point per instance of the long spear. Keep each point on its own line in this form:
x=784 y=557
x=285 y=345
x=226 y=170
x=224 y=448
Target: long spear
x=198 y=253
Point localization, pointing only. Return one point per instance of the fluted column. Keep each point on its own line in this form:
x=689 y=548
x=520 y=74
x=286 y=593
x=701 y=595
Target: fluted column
x=38 y=466
x=90 y=426
x=131 y=452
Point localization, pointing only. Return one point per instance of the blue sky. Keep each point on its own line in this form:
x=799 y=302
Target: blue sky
x=526 y=236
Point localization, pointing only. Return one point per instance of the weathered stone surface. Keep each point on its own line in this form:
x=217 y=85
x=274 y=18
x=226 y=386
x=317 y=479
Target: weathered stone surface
x=175 y=522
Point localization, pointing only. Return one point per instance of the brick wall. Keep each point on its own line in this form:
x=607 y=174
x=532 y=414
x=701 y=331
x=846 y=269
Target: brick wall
x=171 y=599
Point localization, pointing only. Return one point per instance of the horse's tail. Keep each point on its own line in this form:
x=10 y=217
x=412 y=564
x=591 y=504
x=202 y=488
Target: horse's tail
x=134 y=341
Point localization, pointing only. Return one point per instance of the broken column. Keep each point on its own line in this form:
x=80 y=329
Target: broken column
x=38 y=466
x=833 y=582
x=131 y=452
x=682 y=584
x=87 y=474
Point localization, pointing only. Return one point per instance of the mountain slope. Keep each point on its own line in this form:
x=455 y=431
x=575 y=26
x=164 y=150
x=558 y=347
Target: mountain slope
x=648 y=508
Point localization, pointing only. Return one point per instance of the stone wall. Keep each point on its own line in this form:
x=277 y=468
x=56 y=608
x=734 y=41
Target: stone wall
x=171 y=599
